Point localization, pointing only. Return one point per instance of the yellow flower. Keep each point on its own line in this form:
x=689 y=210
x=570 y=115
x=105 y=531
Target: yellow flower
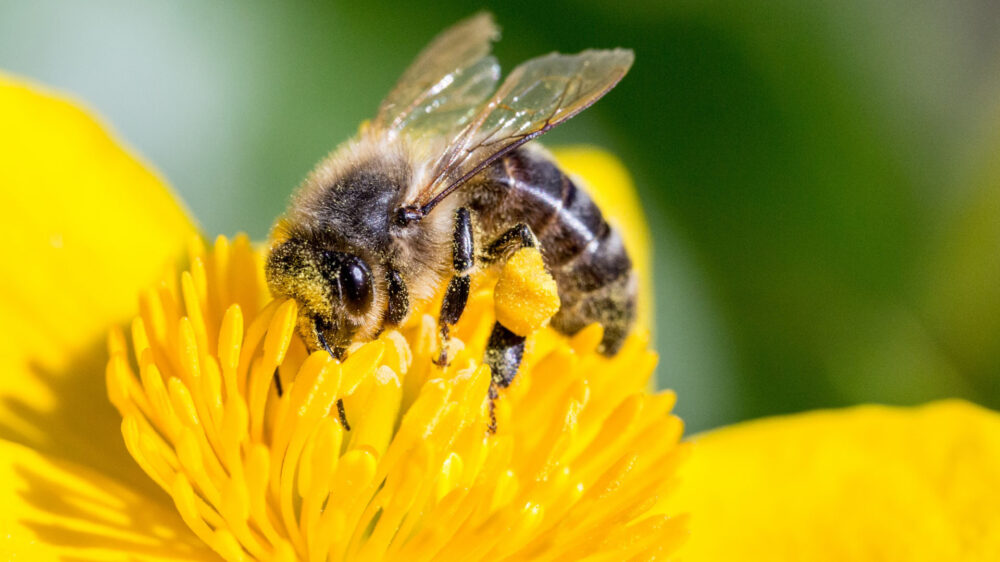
x=868 y=483
x=581 y=466
x=232 y=416
x=224 y=409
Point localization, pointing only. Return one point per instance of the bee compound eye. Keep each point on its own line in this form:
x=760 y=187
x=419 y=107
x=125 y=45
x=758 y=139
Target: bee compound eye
x=356 y=282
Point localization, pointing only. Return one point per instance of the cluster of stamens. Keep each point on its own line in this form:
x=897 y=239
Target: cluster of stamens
x=225 y=408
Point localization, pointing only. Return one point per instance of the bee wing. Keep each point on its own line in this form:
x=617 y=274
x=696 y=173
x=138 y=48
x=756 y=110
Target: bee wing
x=446 y=84
x=537 y=96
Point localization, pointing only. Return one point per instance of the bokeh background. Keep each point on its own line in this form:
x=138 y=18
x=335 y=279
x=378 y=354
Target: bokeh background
x=822 y=178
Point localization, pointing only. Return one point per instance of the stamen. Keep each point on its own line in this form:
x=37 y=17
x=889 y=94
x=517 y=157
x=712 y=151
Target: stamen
x=234 y=418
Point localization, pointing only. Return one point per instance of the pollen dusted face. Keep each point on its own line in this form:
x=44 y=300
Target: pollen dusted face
x=335 y=290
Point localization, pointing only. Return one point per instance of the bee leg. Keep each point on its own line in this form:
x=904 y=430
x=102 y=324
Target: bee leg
x=338 y=354
x=277 y=383
x=399 y=299
x=503 y=354
x=519 y=236
x=463 y=252
x=494 y=394
x=505 y=348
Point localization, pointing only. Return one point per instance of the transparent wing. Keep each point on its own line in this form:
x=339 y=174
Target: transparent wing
x=537 y=96
x=446 y=84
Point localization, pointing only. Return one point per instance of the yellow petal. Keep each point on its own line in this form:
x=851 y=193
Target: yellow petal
x=57 y=510
x=866 y=483
x=609 y=183
x=85 y=224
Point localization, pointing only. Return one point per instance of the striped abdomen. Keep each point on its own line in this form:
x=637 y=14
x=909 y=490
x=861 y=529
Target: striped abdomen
x=584 y=253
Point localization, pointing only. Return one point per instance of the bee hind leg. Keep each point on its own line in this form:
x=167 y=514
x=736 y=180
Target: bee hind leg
x=519 y=236
x=503 y=354
x=505 y=349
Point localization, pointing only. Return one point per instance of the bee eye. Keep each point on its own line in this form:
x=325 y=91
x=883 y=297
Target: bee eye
x=356 y=282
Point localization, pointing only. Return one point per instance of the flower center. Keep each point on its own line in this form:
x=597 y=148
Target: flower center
x=238 y=422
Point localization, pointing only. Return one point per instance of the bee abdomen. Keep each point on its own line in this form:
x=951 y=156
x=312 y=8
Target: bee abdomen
x=584 y=253
x=613 y=306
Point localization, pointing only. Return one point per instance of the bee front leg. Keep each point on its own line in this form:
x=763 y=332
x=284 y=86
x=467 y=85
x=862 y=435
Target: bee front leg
x=457 y=295
x=338 y=354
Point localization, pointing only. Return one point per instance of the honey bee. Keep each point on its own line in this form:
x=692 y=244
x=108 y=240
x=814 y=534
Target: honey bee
x=441 y=182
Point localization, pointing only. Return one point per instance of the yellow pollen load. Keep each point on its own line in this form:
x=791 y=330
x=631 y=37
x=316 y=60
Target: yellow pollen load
x=225 y=409
x=525 y=296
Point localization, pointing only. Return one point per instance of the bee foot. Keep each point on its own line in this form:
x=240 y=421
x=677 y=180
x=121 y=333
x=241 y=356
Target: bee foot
x=493 y=396
x=442 y=359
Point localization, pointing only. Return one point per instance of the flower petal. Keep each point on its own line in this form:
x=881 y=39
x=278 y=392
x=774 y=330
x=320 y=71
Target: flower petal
x=86 y=225
x=56 y=510
x=866 y=483
x=611 y=186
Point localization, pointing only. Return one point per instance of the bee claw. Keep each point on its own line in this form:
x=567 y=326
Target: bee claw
x=493 y=395
x=442 y=359
x=343 y=414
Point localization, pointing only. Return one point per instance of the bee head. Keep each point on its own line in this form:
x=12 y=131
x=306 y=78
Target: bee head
x=335 y=290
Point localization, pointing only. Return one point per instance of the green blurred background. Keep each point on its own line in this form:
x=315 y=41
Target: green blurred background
x=821 y=178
